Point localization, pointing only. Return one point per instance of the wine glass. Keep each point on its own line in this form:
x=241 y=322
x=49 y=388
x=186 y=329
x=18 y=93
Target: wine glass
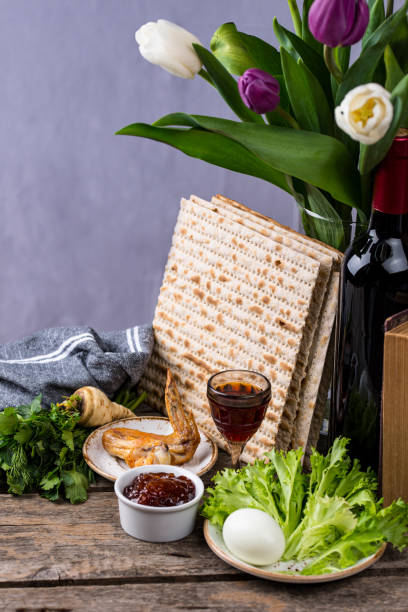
x=238 y=400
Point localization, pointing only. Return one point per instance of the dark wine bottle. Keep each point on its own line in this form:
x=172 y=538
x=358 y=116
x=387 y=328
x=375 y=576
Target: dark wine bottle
x=374 y=286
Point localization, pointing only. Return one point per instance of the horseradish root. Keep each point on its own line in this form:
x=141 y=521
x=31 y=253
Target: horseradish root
x=95 y=407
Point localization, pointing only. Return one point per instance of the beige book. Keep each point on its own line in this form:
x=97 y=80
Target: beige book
x=395 y=411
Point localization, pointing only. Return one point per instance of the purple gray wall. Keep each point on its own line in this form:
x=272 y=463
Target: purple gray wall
x=86 y=216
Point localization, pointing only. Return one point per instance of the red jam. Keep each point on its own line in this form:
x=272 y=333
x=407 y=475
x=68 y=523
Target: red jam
x=160 y=489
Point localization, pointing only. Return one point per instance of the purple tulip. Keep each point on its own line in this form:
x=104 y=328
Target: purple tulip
x=338 y=22
x=259 y=90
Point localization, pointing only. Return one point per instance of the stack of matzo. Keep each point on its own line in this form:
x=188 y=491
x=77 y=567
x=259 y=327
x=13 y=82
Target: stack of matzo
x=241 y=291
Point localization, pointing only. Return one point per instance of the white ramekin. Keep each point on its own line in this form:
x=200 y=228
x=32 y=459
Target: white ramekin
x=157 y=524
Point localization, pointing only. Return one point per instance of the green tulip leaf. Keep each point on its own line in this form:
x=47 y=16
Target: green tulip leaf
x=306 y=96
x=328 y=225
x=388 y=28
x=377 y=16
x=371 y=155
x=394 y=74
x=307 y=36
x=314 y=158
x=275 y=118
x=298 y=49
x=209 y=147
x=226 y=85
x=319 y=218
x=300 y=199
x=399 y=44
x=263 y=55
x=363 y=69
x=323 y=219
x=179 y=119
x=238 y=51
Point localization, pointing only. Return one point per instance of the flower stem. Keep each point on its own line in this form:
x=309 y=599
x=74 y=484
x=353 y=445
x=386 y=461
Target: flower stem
x=288 y=118
x=390 y=8
x=332 y=64
x=297 y=21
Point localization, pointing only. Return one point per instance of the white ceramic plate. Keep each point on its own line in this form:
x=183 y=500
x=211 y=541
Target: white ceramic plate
x=111 y=467
x=215 y=541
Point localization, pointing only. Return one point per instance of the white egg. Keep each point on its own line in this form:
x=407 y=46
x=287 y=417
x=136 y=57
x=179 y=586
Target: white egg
x=253 y=536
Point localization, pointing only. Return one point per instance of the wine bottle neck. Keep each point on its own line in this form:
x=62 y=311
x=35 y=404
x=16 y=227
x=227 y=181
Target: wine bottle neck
x=391 y=180
x=388 y=224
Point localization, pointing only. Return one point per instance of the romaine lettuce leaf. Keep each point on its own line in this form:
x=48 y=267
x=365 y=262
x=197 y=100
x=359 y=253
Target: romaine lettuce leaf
x=289 y=487
x=276 y=486
x=326 y=519
x=389 y=525
x=247 y=488
x=328 y=471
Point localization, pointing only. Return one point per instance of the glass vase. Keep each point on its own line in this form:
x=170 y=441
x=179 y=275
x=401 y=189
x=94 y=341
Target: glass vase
x=335 y=232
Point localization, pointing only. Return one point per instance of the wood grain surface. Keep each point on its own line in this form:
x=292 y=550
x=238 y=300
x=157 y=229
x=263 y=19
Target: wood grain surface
x=64 y=557
x=367 y=593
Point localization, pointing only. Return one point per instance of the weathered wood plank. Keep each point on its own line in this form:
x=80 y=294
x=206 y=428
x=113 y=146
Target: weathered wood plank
x=43 y=541
x=365 y=594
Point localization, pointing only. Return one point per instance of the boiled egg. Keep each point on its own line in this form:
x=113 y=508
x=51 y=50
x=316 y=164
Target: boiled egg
x=253 y=536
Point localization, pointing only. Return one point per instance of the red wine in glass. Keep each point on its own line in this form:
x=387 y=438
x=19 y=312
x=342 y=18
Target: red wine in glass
x=238 y=400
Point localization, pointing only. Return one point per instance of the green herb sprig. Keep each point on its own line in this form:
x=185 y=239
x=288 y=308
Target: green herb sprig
x=41 y=450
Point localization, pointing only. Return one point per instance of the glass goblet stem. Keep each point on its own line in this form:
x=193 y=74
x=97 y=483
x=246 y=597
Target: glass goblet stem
x=235 y=449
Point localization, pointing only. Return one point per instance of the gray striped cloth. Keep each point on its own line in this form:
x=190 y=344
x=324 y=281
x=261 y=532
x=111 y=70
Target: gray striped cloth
x=57 y=361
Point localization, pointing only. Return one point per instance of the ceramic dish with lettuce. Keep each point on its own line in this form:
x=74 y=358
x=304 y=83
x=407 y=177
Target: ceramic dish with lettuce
x=331 y=518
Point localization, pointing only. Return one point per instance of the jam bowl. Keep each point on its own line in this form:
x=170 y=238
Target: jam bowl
x=157 y=523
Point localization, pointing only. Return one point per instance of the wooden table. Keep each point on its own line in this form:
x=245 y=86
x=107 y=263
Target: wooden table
x=64 y=557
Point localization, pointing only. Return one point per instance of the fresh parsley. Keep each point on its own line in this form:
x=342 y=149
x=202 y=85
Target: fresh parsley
x=41 y=449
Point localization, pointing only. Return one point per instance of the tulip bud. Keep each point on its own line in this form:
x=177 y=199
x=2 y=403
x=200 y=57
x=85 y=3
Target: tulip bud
x=168 y=45
x=365 y=113
x=259 y=90
x=338 y=22
x=228 y=48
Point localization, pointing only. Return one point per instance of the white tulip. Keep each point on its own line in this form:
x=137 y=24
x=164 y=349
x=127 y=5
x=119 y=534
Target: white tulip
x=168 y=45
x=365 y=113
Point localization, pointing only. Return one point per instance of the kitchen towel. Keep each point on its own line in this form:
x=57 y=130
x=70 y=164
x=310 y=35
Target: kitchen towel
x=57 y=361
